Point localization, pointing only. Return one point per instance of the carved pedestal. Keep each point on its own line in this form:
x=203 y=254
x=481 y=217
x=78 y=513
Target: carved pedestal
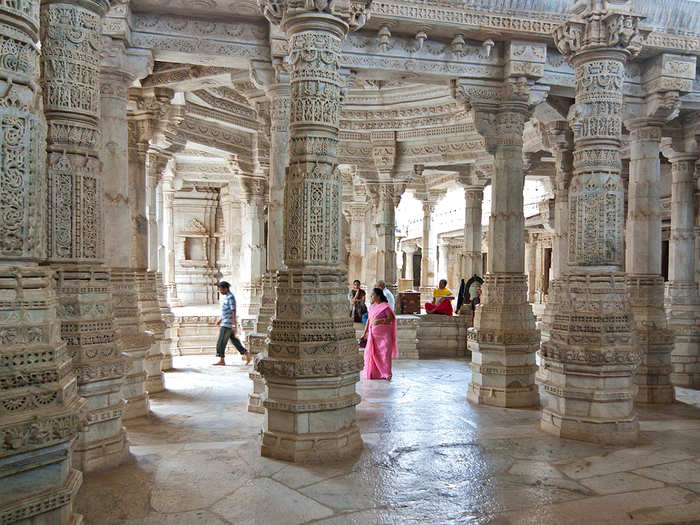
x=41 y=412
x=503 y=345
x=134 y=342
x=590 y=360
x=152 y=322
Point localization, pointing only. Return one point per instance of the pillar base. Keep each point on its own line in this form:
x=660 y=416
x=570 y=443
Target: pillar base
x=98 y=455
x=682 y=308
x=510 y=397
x=313 y=448
x=590 y=360
x=620 y=432
x=654 y=340
x=257 y=397
x=503 y=345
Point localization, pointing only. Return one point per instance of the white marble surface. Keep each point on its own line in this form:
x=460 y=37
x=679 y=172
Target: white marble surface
x=429 y=457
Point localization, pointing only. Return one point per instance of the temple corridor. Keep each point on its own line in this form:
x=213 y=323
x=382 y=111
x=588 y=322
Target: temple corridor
x=429 y=456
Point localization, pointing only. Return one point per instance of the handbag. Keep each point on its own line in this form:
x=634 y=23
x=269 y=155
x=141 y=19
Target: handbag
x=362 y=342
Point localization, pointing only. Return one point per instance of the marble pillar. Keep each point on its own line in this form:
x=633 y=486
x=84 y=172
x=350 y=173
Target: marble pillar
x=591 y=357
x=276 y=85
x=252 y=252
x=41 y=413
x=682 y=299
x=168 y=225
x=125 y=235
x=443 y=261
x=531 y=265
x=410 y=250
x=561 y=142
x=313 y=362
x=386 y=236
x=471 y=256
x=71 y=42
x=427 y=272
x=643 y=264
x=356 y=217
x=504 y=339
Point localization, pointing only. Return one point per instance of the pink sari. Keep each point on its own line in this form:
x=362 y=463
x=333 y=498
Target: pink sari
x=381 y=344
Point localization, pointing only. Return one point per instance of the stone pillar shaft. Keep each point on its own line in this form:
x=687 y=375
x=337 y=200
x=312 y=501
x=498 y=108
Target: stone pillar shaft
x=427 y=275
x=41 y=413
x=252 y=253
x=503 y=343
x=590 y=359
x=386 y=236
x=313 y=363
x=71 y=42
x=643 y=265
x=471 y=257
x=682 y=299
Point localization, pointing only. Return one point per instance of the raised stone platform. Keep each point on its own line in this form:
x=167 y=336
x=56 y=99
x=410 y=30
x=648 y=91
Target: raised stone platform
x=440 y=336
x=195 y=329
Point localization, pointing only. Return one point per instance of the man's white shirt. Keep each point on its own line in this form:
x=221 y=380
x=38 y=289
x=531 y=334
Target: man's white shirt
x=389 y=297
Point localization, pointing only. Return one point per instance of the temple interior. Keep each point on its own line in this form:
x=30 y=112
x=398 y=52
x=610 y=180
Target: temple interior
x=544 y=154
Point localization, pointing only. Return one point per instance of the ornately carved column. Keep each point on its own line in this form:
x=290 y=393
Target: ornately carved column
x=682 y=300
x=471 y=256
x=313 y=362
x=41 y=413
x=643 y=264
x=427 y=271
x=504 y=341
x=274 y=79
x=121 y=197
x=70 y=49
x=590 y=359
x=252 y=252
x=386 y=236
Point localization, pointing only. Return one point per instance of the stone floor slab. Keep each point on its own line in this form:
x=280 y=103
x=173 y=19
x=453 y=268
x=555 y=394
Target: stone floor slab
x=673 y=473
x=266 y=501
x=619 y=482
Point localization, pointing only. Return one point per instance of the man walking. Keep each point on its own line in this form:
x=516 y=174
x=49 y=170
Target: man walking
x=228 y=326
x=387 y=293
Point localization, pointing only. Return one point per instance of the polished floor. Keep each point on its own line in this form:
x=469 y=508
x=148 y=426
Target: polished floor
x=430 y=458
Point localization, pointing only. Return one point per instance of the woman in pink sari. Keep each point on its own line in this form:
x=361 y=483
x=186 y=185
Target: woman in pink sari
x=380 y=332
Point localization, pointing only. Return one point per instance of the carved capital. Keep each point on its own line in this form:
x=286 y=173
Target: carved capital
x=354 y=13
x=592 y=28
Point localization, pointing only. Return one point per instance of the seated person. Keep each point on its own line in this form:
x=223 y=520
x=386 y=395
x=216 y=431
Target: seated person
x=442 y=300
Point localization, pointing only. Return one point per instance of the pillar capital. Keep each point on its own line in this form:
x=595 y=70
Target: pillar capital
x=353 y=13
x=591 y=29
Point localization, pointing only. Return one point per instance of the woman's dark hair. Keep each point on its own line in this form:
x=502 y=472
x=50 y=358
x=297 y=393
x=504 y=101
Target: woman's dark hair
x=380 y=293
x=356 y=281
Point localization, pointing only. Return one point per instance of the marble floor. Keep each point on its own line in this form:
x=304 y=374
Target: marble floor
x=430 y=458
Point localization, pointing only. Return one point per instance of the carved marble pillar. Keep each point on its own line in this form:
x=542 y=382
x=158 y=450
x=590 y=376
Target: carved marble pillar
x=126 y=233
x=561 y=141
x=504 y=339
x=427 y=273
x=41 y=414
x=356 y=217
x=643 y=264
x=682 y=299
x=168 y=222
x=531 y=265
x=276 y=85
x=71 y=46
x=443 y=260
x=385 y=222
x=252 y=251
x=590 y=359
x=409 y=250
x=471 y=256
x=313 y=362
